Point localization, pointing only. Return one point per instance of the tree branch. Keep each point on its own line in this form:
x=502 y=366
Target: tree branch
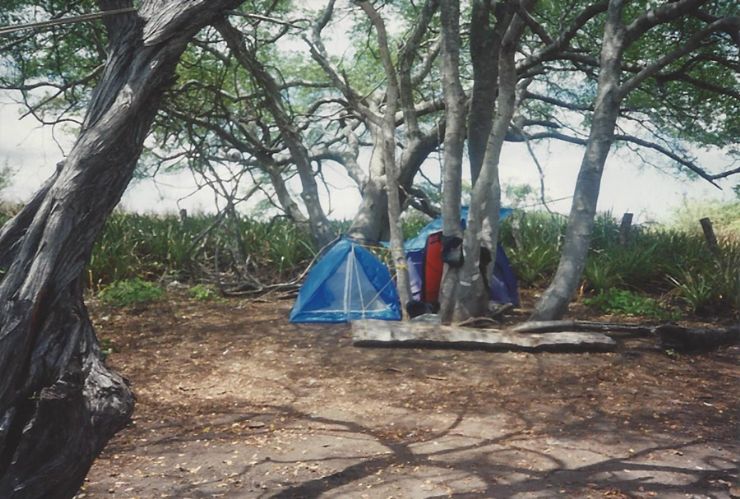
x=689 y=46
x=643 y=143
x=552 y=50
x=653 y=17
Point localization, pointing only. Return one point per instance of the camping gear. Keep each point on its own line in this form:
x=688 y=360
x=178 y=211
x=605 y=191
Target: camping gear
x=424 y=255
x=504 y=287
x=433 y=267
x=347 y=283
x=419 y=242
x=425 y=281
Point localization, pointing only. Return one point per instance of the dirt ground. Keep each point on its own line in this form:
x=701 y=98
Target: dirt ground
x=234 y=401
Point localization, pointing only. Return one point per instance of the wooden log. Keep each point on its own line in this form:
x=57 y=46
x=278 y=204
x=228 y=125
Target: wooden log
x=668 y=335
x=624 y=229
x=696 y=339
x=374 y=333
x=706 y=226
x=583 y=326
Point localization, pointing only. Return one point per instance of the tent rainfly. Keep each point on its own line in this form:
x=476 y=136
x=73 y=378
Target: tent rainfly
x=347 y=283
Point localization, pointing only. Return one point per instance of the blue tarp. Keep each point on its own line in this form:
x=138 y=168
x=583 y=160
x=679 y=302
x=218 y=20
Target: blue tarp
x=419 y=242
x=415 y=264
x=347 y=283
x=503 y=286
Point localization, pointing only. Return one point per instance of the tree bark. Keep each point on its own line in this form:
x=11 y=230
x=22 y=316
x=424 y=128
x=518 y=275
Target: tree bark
x=554 y=302
x=453 y=148
x=286 y=201
x=320 y=227
x=485 y=43
x=388 y=133
x=482 y=227
x=59 y=403
x=371 y=221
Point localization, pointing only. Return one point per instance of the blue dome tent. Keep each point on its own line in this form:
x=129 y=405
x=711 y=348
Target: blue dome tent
x=347 y=283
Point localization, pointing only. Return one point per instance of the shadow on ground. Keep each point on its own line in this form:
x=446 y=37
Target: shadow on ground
x=233 y=401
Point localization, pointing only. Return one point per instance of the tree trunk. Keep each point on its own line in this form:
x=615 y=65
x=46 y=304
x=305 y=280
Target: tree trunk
x=59 y=403
x=453 y=151
x=371 y=221
x=485 y=42
x=388 y=133
x=482 y=229
x=554 y=301
x=320 y=227
x=286 y=201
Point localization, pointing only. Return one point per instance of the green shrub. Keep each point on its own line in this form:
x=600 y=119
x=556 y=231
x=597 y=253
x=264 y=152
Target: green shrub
x=202 y=292
x=601 y=273
x=532 y=241
x=714 y=286
x=725 y=217
x=535 y=264
x=622 y=301
x=150 y=246
x=727 y=278
x=694 y=290
x=605 y=233
x=634 y=266
x=130 y=292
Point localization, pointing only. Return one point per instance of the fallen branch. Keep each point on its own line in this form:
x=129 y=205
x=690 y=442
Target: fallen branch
x=668 y=335
x=241 y=291
x=255 y=290
x=585 y=326
x=696 y=339
x=374 y=333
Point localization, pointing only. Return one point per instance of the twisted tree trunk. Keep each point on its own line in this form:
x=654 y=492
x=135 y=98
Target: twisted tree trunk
x=59 y=403
x=273 y=100
x=483 y=216
x=554 y=301
x=453 y=148
x=610 y=93
x=371 y=221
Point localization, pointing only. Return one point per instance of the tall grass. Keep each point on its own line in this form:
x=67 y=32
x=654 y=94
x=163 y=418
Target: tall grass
x=658 y=261
x=533 y=241
x=149 y=246
x=673 y=263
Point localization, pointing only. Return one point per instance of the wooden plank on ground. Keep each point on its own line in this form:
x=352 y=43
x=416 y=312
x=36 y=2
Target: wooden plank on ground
x=375 y=333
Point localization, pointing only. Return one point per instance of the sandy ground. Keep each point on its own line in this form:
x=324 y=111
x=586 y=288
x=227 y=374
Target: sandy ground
x=234 y=401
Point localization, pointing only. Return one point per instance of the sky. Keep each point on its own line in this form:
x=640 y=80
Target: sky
x=31 y=151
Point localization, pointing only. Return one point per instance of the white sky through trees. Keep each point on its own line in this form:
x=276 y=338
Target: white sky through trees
x=31 y=152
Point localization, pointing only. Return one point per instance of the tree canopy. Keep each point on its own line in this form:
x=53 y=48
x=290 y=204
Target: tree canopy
x=217 y=105
x=216 y=87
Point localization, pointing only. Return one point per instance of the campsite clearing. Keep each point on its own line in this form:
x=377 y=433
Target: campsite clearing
x=235 y=401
